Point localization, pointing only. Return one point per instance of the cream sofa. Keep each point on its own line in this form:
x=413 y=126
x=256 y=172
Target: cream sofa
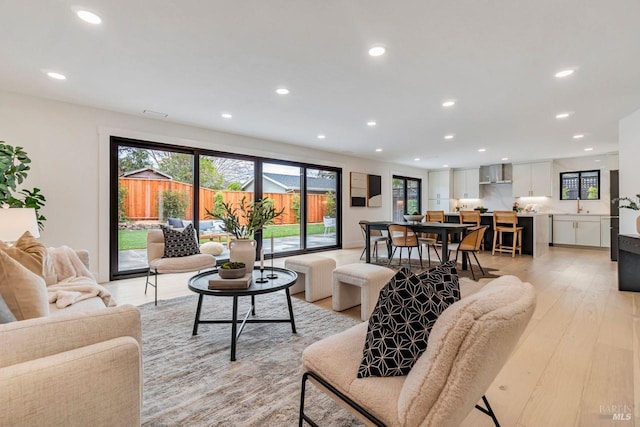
x=79 y=366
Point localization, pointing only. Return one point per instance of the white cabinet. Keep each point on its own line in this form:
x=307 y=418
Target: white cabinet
x=532 y=180
x=605 y=231
x=439 y=191
x=438 y=205
x=576 y=230
x=439 y=185
x=466 y=184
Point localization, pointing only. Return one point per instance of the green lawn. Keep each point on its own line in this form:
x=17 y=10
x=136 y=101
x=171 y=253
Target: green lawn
x=137 y=239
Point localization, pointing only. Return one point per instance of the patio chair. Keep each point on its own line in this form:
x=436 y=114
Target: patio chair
x=329 y=223
x=158 y=264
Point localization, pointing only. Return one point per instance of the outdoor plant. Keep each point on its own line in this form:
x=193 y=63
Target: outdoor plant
x=630 y=203
x=14 y=166
x=331 y=204
x=122 y=212
x=174 y=204
x=592 y=193
x=295 y=207
x=247 y=217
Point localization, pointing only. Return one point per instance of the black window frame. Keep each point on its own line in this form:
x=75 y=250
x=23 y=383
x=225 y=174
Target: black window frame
x=405 y=180
x=582 y=189
x=117 y=141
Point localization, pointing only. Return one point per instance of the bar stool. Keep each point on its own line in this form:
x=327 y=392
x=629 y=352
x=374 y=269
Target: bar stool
x=471 y=217
x=506 y=222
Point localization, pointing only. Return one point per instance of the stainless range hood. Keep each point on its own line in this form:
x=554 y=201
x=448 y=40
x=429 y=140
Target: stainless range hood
x=496 y=174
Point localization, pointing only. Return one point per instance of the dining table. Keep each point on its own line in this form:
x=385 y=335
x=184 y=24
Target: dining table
x=443 y=229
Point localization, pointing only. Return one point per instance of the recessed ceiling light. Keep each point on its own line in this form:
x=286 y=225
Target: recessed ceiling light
x=377 y=50
x=445 y=166
x=282 y=91
x=504 y=159
x=449 y=103
x=371 y=123
x=597 y=160
x=481 y=150
x=56 y=76
x=564 y=73
x=417 y=159
x=321 y=136
x=562 y=115
x=450 y=136
x=578 y=136
x=89 y=17
x=226 y=115
x=378 y=149
x=588 y=149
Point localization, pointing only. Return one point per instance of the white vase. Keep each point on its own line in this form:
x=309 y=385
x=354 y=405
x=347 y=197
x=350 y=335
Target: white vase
x=243 y=250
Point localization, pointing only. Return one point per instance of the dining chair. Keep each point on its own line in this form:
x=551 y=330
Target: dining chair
x=470 y=244
x=375 y=237
x=506 y=222
x=471 y=217
x=403 y=237
x=434 y=216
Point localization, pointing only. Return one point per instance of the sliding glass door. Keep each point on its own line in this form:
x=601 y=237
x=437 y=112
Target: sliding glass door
x=152 y=185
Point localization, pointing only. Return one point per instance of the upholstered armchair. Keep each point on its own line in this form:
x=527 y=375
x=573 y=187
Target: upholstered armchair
x=468 y=345
x=159 y=264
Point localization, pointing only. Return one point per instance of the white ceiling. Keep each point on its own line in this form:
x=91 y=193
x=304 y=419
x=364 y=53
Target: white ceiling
x=194 y=59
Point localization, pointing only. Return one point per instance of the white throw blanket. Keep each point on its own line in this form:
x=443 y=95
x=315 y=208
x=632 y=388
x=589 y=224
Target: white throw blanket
x=75 y=281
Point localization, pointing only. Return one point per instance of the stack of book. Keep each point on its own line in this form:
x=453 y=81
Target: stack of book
x=219 y=283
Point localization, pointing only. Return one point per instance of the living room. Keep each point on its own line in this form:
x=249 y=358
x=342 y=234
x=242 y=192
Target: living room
x=68 y=135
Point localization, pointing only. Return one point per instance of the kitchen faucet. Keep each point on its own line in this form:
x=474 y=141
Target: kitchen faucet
x=579 y=208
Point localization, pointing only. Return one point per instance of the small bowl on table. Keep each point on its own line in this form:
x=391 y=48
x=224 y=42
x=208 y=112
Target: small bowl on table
x=413 y=218
x=232 y=273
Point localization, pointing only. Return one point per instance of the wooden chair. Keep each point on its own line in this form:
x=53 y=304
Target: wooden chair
x=471 y=217
x=434 y=216
x=403 y=237
x=506 y=222
x=375 y=237
x=470 y=244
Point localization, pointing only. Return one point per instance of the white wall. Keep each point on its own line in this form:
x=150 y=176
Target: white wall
x=69 y=148
x=629 y=149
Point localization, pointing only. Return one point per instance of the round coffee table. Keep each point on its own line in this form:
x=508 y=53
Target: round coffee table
x=200 y=285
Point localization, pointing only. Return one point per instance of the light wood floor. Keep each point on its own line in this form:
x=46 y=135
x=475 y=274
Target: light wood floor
x=578 y=361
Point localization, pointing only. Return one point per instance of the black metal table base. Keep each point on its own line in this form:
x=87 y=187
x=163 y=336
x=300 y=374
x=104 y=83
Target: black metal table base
x=235 y=331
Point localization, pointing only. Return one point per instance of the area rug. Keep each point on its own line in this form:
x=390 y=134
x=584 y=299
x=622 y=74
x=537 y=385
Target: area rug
x=189 y=380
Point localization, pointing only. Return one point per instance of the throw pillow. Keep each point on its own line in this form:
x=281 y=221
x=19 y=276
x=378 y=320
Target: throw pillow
x=400 y=325
x=24 y=292
x=179 y=243
x=33 y=255
x=6 y=316
x=444 y=278
x=212 y=248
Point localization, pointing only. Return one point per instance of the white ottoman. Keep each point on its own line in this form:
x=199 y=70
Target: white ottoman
x=314 y=276
x=360 y=283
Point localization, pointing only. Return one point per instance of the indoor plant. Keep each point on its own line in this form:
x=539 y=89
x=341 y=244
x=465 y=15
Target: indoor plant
x=629 y=203
x=14 y=165
x=242 y=221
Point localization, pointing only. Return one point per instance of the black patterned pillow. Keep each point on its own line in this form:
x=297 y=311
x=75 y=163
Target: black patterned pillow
x=179 y=243
x=444 y=278
x=400 y=325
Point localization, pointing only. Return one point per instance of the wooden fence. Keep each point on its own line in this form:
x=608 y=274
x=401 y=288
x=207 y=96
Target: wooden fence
x=143 y=200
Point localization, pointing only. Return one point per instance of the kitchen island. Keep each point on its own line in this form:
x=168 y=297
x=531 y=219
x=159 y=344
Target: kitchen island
x=535 y=232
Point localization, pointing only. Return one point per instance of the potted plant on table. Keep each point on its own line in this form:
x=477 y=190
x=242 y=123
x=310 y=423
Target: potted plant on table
x=629 y=203
x=242 y=222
